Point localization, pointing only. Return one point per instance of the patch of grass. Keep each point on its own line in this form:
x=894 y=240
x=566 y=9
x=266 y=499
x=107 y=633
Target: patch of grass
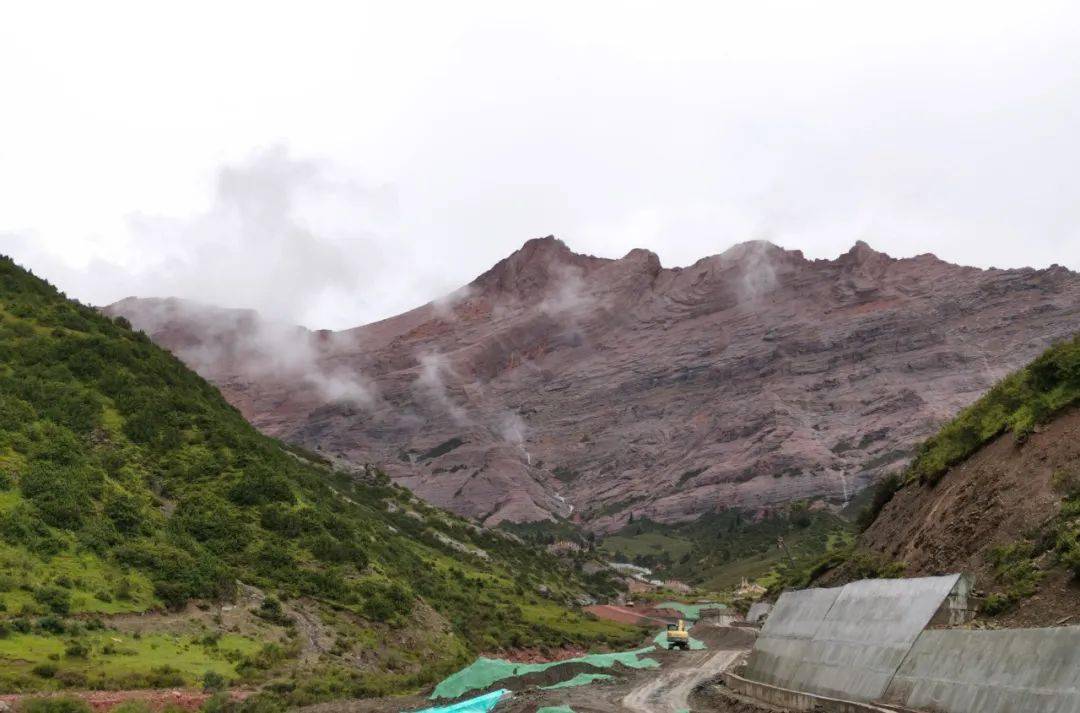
x=618 y=506
x=111 y=659
x=860 y=564
x=443 y=448
x=1016 y=573
x=690 y=475
x=1018 y=403
x=564 y=474
x=574 y=626
x=883 y=492
x=84 y=575
x=636 y=543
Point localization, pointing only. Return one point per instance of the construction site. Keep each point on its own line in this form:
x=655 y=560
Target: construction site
x=871 y=645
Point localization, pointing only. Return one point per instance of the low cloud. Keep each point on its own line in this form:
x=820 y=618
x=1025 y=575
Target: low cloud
x=511 y=427
x=430 y=386
x=241 y=343
x=567 y=296
x=446 y=305
x=758 y=276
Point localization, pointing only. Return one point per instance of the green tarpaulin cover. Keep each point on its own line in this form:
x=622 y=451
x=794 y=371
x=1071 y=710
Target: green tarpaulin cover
x=484 y=671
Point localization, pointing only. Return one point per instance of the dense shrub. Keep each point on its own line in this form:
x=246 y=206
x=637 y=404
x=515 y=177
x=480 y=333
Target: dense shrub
x=56 y=599
x=60 y=704
x=883 y=493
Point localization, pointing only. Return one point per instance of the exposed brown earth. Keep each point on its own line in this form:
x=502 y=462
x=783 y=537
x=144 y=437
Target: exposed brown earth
x=593 y=388
x=1001 y=495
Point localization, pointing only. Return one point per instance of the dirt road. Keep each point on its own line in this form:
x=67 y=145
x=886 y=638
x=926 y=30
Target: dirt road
x=669 y=692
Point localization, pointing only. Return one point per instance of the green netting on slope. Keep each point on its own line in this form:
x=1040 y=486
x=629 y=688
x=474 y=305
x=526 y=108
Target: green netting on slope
x=581 y=679
x=555 y=709
x=480 y=704
x=691 y=612
x=695 y=645
x=484 y=671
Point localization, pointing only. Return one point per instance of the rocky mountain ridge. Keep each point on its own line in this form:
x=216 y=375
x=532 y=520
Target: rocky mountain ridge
x=591 y=388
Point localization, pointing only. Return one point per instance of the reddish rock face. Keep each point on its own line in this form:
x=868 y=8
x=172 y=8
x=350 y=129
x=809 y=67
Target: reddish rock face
x=592 y=388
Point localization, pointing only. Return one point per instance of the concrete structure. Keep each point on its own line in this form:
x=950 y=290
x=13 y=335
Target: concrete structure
x=1002 y=671
x=677 y=586
x=750 y=590
x=757 y=613
x=874 y=642
x=960 y=607
x=846 y=642
x=795 y=700
x=563 y=547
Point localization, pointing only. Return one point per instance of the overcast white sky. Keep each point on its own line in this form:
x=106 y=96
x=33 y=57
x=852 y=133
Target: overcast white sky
x=334 y=163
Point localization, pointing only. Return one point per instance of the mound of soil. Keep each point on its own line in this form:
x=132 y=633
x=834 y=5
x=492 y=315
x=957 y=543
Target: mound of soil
x=724 y=637
x=716 y=698
x=553 y=675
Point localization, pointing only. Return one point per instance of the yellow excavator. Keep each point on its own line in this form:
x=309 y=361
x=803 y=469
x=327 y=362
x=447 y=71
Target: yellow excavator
x=678 y=636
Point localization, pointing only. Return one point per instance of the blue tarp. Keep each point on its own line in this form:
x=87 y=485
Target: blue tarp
x=480 y=704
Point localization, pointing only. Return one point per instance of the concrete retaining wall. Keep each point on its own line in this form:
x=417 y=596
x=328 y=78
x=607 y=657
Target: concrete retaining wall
x=1003 y=671
x=868 y=641
x=867 y=633
x=794 y=700
x=786 y=633
x=845 y=642
x=758 y=611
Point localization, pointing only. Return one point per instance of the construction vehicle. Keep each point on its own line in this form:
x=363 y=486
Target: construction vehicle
x=678 y=636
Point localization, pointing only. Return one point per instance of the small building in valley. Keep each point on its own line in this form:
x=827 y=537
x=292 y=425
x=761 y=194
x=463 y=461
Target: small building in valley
x=677 y=586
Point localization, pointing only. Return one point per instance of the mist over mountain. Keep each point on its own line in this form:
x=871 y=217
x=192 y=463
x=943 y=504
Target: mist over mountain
x=560 y=384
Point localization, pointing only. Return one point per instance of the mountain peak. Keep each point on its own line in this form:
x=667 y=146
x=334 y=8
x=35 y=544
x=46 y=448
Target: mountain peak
x=529 y=269
x=861 y=255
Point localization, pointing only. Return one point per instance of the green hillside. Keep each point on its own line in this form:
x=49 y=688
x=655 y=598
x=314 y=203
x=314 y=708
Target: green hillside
x=128 y=485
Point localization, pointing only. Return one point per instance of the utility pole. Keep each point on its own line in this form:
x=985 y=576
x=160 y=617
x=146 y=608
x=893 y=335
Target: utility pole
x=783 y=545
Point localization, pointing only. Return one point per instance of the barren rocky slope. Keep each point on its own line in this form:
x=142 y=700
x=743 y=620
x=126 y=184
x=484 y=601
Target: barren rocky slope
x=593 y=388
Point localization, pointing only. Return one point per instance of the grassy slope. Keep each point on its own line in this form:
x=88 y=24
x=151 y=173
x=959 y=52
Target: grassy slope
x=128 y=484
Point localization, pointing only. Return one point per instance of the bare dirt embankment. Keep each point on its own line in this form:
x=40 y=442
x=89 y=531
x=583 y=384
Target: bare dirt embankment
x=1005 y=493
